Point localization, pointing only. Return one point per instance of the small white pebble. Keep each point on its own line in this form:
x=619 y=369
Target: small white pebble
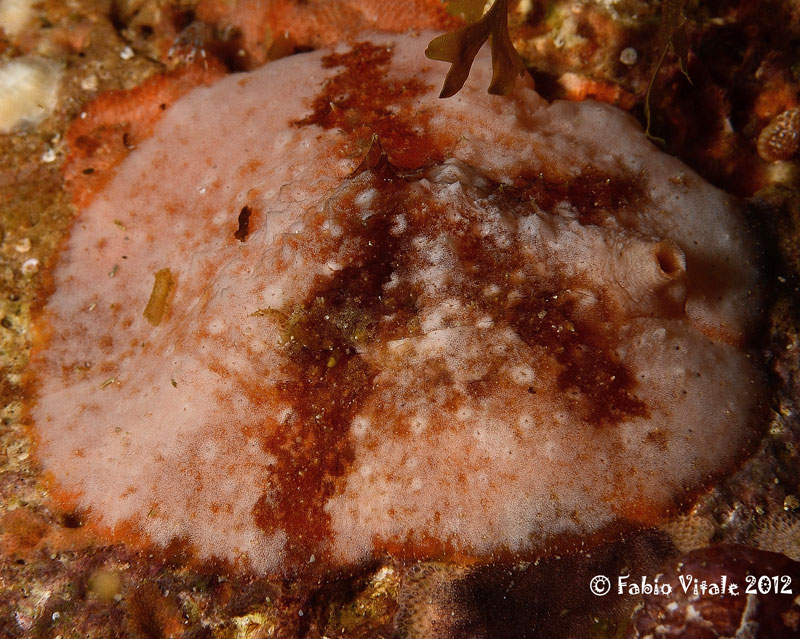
x=629 y=56
x=30 y=267
x=23 y=246
x=56 y=616
x=49 y=155
x=524 y=7
x=28 y=91
x=89 y=83
x=127 y=53
x=15 y=15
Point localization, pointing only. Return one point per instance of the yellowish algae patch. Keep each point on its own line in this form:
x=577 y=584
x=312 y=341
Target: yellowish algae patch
x=157 y=304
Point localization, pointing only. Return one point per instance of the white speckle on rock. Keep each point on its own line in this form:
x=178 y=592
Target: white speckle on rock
x=28 y=91
x=15 y=15
x=30 y=267
x=89 y=83
x=629 y=56
x=127 y=53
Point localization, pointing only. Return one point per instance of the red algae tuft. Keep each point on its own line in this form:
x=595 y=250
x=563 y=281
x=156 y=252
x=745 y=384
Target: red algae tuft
x=393 y=324
x=362 y=101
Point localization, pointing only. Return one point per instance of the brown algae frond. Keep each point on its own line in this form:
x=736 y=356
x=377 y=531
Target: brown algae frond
x=461 y=47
